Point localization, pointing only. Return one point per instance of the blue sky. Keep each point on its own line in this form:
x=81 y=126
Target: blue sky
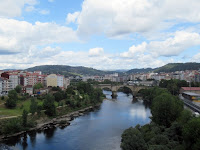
x=107 y=35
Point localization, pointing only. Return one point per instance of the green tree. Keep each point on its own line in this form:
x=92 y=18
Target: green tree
x=58 y=96
x=38 y=86
x=24 y=118
x=33 y=106
x=132 y=139
x=12 y=94
x=11 y=102
x=12 y=126
x=49 y=105
x=166 y=109
x=191 y=134
x=18 y=89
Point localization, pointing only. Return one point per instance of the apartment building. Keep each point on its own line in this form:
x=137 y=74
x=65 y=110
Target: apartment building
x=60 y=81
x=52 y=80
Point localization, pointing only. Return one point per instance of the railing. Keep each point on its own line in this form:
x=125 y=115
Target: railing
x=191 y=105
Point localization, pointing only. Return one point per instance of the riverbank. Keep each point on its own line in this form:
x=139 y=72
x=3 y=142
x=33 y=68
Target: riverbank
x=60 y=121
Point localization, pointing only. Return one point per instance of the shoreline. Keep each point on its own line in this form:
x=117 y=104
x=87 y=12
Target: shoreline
x=60 y=121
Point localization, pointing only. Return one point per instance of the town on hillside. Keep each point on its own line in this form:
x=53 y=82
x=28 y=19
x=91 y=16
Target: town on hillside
x=10 y=79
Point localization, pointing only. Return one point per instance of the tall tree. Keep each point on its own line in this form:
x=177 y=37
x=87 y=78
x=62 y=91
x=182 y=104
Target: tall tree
x=166 y=109
x=49 y=105
x=24 y=118
x=18 y=89
x=11 y=102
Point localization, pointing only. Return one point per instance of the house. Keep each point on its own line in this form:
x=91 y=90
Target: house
x=27 y=89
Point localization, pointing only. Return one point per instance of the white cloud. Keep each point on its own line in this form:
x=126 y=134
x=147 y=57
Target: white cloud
x=13 y=8
x=181 y=41
x=121 y=17
x=94 y=52
x=71 y=18
x=173 y=46
x=19 y=36
x=196 y=58
x=135 y=50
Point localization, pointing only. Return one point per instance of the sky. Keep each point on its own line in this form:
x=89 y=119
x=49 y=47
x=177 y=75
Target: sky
x=106 y=35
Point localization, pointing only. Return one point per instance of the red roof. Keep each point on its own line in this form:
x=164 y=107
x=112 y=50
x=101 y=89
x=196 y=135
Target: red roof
x=191 y=88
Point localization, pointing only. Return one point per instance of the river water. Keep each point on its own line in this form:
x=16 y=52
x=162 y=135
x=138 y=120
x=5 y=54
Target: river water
x=98 y=130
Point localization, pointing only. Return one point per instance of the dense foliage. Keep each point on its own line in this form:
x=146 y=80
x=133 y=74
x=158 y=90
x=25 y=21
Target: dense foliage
x=11 y=102
x=38 y=86
x=73 y=98
x=172 y=67
x=172 y=127
x=173 y=85
x=83 y=95
x=18 y=88
x=142 y=70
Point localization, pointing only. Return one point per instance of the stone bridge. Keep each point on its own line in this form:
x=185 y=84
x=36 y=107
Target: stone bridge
x=115 y=88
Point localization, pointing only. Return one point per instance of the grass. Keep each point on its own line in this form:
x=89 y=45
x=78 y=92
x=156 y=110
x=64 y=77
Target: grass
x=21 y=105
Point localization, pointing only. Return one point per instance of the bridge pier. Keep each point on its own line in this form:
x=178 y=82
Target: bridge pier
x=134 y=99
x=114 y=94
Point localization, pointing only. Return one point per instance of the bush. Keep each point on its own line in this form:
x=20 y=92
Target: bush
x=12 y=126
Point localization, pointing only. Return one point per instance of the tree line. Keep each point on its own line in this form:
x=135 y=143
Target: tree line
x=74 y=97
x=172 y=127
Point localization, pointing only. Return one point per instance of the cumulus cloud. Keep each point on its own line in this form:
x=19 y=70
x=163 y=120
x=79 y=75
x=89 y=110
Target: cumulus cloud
x=94 y=52
x=19 y=36
x=135 y=50
x=173 y=46
x=71 y=18
x=121 y=17
x=13 y=8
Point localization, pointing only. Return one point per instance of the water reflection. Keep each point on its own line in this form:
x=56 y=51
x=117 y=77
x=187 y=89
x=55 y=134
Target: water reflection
x=99 y=130
x=49 y=133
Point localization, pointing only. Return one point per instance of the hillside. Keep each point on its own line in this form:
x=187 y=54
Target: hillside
x=172 y=67
x=68 y=70
x=143 y=70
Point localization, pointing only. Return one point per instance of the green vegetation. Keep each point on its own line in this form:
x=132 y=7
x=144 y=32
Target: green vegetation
x=49 y=106
x=12 y=99
x=172 y=127
x=38 y=86
x=74 y=98
x=18 y=89
x=142 y=70
x=172 y=67
x=67 y=70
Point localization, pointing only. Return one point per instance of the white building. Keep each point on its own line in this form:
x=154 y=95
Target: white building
x=14 y=80
x=60 y=81
x=6 y=85
x=1 y=85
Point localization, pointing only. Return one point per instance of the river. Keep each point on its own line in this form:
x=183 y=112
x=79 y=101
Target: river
x=98 y=130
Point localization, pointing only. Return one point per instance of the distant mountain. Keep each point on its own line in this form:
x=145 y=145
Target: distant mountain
x=68 y=70
x=172 y=67
x=143 y=70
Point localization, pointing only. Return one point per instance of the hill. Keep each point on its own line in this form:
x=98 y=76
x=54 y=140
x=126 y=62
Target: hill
x=172 y=67
x=68 y=70
x=143 y=70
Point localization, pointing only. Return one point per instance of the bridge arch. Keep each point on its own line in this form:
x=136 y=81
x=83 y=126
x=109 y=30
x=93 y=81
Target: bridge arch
x=115 y=88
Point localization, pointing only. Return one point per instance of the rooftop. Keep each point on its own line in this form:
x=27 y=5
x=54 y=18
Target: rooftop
x=191 y=88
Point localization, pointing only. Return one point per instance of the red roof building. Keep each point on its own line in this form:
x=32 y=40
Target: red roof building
x=190 y=89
